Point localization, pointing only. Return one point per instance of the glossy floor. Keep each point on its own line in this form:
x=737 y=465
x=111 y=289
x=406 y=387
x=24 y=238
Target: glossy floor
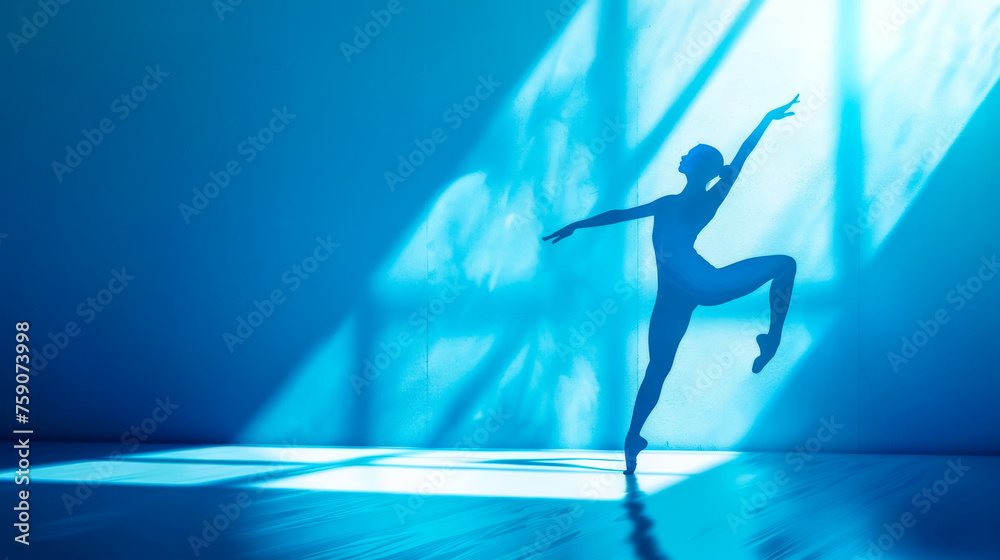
x=102 y=501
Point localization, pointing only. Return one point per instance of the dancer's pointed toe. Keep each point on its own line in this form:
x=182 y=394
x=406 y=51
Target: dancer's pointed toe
x=632 y=448
x=768 y=347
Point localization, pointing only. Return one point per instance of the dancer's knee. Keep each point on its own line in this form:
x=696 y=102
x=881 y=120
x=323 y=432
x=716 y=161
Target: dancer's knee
x=656 y=373
x=781 y=288
x=786 y=266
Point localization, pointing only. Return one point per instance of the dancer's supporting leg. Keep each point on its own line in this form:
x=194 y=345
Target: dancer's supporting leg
x=666 y=328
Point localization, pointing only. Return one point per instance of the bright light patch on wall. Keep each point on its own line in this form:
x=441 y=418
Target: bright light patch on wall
x=457 y=356
x=293 y=413
x=515 y=368
x=671 y=43
x=557 y=74
x=558 y=150
x=711 y=395
x=561 y=161
x=783 y=201
x=577 y=400
x=407 y=271
x=918 y=95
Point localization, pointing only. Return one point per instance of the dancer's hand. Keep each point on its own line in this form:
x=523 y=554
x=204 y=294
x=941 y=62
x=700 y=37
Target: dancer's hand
x=561 y=234
x=783 y=112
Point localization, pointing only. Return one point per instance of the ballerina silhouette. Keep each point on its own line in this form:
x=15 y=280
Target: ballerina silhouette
x=685 y=279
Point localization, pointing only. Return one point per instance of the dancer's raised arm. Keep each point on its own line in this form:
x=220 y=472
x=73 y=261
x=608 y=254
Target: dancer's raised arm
x=732 y=171
x=606 y=218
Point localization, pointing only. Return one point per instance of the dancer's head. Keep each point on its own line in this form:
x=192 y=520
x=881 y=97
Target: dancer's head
x=702 y=164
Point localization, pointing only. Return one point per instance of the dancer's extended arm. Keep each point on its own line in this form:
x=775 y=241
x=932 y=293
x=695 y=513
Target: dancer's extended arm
x=606 y=218
x=732 y=171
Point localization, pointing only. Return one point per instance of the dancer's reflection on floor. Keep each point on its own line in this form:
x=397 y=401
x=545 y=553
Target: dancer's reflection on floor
x=641 y=537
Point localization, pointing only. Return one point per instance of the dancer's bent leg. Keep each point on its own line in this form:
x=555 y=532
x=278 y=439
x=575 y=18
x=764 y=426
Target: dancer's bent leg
x=741 y=278
x=781 y=297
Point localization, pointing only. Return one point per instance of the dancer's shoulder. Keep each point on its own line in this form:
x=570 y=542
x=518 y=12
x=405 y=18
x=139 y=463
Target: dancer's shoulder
x=664 y=202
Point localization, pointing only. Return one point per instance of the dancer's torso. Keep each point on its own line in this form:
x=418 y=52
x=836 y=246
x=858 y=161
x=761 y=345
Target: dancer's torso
x=676 y=225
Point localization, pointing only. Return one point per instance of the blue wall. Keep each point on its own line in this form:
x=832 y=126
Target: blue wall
x=433 y=306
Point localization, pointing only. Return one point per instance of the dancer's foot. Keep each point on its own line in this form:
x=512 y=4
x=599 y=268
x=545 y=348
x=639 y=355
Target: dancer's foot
x=632 y=448
x=768 y=346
